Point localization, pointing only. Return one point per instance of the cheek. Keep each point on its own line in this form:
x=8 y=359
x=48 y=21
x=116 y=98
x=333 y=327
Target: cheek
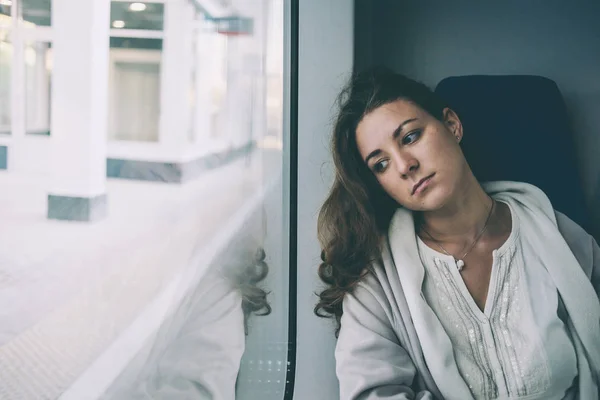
x=394 y=187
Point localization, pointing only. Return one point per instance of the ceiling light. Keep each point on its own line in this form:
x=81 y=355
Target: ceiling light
x=118 y=24
x=137 y=7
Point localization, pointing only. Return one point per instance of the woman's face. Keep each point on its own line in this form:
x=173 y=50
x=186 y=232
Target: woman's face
x=415 y=157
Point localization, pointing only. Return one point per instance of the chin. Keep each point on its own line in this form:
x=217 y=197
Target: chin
x=431 y=200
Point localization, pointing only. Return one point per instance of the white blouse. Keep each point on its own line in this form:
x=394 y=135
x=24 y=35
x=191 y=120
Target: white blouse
x=518 y=347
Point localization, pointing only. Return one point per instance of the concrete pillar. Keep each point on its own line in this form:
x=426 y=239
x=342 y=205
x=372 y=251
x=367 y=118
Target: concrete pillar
x=79 y=109
x=17 y=77
x=176 y=73
x=237 y=98
x=17 y=95
x=246 y=92
x=37 y=120
x=260 y=15
x=205 y=60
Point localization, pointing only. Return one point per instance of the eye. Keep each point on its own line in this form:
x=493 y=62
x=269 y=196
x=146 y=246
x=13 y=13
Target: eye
x=380 y=166
x=411 y=137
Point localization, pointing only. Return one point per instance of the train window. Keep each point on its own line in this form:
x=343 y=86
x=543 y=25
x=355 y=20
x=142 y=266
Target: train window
x=144 y=243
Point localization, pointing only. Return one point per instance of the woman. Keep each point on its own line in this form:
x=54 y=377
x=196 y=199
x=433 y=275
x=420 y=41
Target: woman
x=444 y=288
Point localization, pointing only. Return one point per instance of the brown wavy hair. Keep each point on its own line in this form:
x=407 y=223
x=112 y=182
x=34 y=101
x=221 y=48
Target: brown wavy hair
x=254 y=298
x=356 y=214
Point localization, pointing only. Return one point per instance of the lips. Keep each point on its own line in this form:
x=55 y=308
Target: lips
x=418 y=184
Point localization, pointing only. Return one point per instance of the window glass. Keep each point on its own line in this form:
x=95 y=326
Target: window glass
x=36 y=12
x=137 y=15
x=6 y=59
x=134 y=89
x=181 y=287
x=38 y=72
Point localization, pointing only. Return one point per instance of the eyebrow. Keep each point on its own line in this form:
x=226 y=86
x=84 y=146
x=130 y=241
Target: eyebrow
x=395 y=135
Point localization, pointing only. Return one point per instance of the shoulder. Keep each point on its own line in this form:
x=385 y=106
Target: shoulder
x=580 y=242
x=370 y=295
x=370 y=289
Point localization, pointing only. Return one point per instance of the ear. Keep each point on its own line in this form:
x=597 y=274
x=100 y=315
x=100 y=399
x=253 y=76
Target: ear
x=453 y=123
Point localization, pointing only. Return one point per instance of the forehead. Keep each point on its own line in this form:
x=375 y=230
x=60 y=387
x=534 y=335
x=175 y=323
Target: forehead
x=383 y=121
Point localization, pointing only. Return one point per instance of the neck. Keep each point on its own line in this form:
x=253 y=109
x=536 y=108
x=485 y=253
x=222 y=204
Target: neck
x=463 y=217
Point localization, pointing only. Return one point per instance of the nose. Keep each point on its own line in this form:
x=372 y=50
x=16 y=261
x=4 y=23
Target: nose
x=406 y=165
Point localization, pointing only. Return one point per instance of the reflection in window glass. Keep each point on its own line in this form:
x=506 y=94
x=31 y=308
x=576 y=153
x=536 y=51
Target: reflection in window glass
x=192 y=88
x=6 y=54
x=274 y=58
x=38 y=69
x=134 y=89
x=37 y=12
x=208 y=82
x=185 y=278
x=263 y=367
x=137 y=15
x=219 y=85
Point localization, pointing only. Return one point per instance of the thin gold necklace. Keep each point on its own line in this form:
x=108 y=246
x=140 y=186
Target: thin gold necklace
x=460 y=263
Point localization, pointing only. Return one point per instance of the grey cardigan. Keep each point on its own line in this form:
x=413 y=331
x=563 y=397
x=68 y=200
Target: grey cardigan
x=379 y=354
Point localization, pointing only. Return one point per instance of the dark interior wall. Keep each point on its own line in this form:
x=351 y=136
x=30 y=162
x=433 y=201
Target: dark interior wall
x=363 y=33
